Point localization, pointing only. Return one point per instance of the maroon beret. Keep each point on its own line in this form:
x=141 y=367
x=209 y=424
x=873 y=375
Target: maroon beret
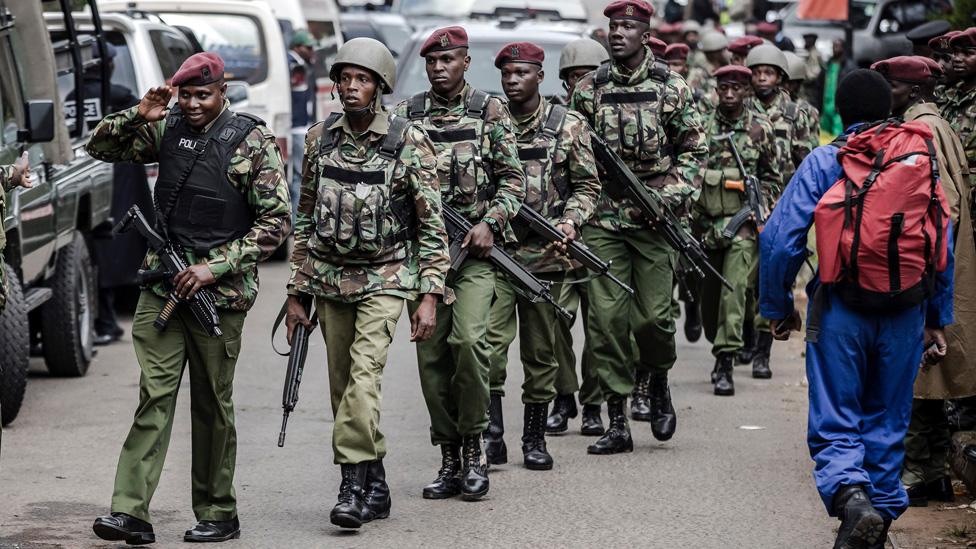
x=669 y=28
x=934 y=66
x=448 y=38
x=965 y=39
x=199 y=69
x=765 y=27
x=941 y=43
x=638 y=10
x=733 y=72
x=677 y=51
x=658 y=46
x=520 y=52
x=742 y=45
x=904 y=68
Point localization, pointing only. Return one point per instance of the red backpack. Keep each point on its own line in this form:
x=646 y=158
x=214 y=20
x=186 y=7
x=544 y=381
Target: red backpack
x=880 y=227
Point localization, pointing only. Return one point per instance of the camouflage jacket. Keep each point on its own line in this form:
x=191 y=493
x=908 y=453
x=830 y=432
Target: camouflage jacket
x=703 y=89
x=564 y=186
x=654 y=137
x=6 y=185
x=812 y=117
x=791 y=130
x=319 y=267
x=753 y=137
x=256 y=170
x=960 y=112
x=496 y=159
x=944 y=94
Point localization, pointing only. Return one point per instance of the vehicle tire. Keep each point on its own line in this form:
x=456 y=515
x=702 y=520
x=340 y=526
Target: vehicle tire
x=68 y=318
x=14 y=349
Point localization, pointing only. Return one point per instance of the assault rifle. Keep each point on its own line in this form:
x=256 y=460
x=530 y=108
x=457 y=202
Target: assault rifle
x=296 y=362
x=755 y=209
x=458 y=227
x=173 y=259
x=622 y=183
x=538 y=224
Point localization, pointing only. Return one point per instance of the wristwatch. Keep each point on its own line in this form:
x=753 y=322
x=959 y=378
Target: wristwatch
x=493 y=225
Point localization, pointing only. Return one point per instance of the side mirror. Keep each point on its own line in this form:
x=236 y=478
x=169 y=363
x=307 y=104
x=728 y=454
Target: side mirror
x=40 y=122
x=238 y=92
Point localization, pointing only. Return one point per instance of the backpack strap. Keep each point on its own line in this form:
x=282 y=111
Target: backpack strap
x=934 y=204
x=238 y=128
x=417 y=106
x=554 y=122
x=602 y=76
x=393 y=142
x=477 y=105
x=660 y=71
x=330 y=137
x=791 y=111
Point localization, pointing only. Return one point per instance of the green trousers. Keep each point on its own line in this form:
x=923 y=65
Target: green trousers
x=357 y=339
x=454 y=361
x=574 y=298
x=644 y=258
x=162 y=357
x=926 y=444
x=537 y=325
x=723 y=311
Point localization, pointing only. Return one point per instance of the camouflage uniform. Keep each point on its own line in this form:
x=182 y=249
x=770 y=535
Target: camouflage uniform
x=256 y=170
x=792 y=131
x=6 y=185
x=655 y=137
x=564 y=186
x=960 y=112
x=723 y=311
x=360 y=295
x=488 y=182
x=944 y=95
x=703 y=89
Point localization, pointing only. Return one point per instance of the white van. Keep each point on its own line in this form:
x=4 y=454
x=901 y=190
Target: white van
x=247 y=35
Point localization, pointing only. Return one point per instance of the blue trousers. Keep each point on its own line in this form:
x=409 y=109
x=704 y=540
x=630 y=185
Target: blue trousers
x=861 y=371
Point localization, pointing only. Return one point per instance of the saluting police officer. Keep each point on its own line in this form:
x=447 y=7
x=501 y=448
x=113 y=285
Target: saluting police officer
x=562 y=185
x=647 y=115
x=368 y=236
x=577 y=58
x=221 y=195
x=481 y=177
x=724 y=310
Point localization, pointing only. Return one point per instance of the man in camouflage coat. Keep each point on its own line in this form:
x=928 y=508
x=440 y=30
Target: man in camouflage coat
x=562 y=185
x=11 y=176
x=360 y=281
x=647 y=114
x=960 y=110
x=722 y=196
x=481 y=177
x=221 y=195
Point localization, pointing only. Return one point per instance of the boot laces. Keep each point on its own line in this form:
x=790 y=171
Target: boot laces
x=643 y=386
x=449 y=465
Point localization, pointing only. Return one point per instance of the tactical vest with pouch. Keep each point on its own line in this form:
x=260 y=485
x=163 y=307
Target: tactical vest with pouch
x=360 y=216
x=631 y=120
x=547 y=184
x=465 y=177
x=196 y=202
x=720 y=194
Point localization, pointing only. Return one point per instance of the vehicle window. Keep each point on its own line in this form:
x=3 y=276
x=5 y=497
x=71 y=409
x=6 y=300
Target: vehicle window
x=171 y=48
x=237 y=38
x=124 y=73
x=482 y=74
x=10 y=112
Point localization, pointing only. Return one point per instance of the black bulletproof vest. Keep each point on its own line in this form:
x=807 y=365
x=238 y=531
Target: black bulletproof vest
x=196 y=201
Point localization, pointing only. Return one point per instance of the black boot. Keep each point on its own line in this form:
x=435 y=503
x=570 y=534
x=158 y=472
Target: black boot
x=563 y=409
x=917 y=495
x=123 y=527
x=861 y=525
x=940 y=490
x=640 y=399
x=495 y=450
x=448 y=481
x=663 y=418
x=534 y=453
x=617 y=438
x=693 y=325
x=722 y=375
x=213 y=530
x=884 y=536
x=760 y=363
x=746 y=354
x=376 y=495
x=474 y=475
x=348 y=511
x=592 y=424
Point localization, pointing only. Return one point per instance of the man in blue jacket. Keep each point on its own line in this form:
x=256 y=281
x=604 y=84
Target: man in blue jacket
x=860 y=367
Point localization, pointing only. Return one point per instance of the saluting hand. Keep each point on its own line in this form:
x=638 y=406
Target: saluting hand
x=189 y=281
x=155 y=104
x=22 y=172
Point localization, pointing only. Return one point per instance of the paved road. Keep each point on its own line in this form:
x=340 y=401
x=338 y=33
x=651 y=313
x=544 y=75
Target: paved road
x=714 y=485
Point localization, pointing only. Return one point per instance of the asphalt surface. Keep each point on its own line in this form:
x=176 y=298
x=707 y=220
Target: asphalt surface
x=736 y=474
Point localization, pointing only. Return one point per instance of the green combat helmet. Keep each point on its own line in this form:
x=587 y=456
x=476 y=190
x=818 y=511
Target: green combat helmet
x=798 y=69
x=583 y=52
x=713 y=41
x=767 y=54
x=369 y=54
